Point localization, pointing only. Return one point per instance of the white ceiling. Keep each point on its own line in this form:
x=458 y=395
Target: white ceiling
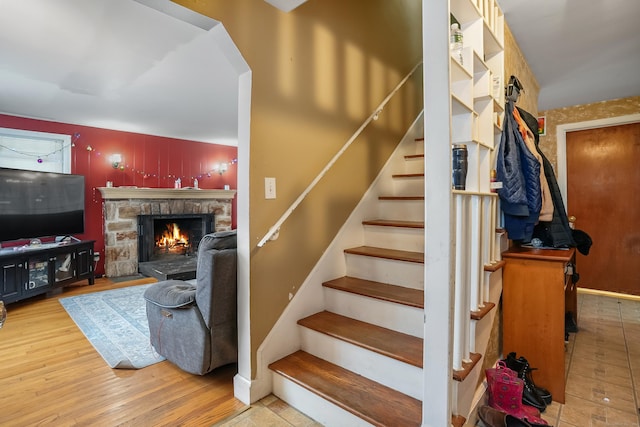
x=581 y=51
x=111 y=63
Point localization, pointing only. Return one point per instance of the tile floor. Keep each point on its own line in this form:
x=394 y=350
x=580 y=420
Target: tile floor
x=603 y=365
x=603 y=373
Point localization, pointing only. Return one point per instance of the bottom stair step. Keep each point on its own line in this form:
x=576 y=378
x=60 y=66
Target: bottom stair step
x=371 y=401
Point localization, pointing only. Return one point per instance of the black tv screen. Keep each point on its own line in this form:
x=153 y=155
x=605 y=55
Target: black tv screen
x=40 y=204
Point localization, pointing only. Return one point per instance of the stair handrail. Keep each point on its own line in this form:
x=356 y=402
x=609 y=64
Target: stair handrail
x=274 y=230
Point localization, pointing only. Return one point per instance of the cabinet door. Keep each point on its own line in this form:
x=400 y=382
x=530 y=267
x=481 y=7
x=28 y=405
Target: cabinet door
x=84 y=263
x=64 y=267
x=12 y=280
x=39 y=272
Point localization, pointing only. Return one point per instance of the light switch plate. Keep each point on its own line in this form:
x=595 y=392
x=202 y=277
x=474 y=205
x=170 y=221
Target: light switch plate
x=269 y=188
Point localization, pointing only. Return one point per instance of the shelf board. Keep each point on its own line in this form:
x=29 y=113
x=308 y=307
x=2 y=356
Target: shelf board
x=465 y=10
x=491 y=43
x=481 y=98
x=473 y=193
x=485 y=145
x=458 y=71
x=458 y=106
x=479 y=64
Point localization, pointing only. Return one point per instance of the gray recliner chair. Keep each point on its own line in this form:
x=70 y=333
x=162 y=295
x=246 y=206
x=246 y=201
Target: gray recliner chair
x=194 y=327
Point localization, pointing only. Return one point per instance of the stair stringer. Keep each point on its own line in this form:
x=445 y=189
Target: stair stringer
x=471 y=391
x=284 y=338
x=475 y=393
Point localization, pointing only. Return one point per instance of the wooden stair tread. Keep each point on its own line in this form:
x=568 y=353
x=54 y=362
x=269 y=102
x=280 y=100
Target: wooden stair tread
x=458 y=420
x=417 y=257
x=482 y=311
x=467 y=367
x=394 y=223
x=393 y=344
x=401 y=198
x=383 y=291
x=495 y=266
x=369 y=400
x=408 y=175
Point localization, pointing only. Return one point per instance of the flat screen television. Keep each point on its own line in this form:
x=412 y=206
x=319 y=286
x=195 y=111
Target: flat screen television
x=40 y=204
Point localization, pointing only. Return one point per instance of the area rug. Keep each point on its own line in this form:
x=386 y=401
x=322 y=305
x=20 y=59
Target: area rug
x=115 y=323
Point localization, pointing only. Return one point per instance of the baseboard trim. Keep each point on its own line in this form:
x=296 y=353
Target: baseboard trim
x=608 y=294
x=250 y=391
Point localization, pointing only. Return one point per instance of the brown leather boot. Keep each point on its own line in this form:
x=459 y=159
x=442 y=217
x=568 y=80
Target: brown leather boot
x=494 y=418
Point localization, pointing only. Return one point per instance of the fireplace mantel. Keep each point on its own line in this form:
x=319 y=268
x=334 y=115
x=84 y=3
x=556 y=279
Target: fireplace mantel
x=109 y=193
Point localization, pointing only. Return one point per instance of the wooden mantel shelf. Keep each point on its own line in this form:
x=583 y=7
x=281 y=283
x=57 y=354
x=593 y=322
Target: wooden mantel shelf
x=164 y=193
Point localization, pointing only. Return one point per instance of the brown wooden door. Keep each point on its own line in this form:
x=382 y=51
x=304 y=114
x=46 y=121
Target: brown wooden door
x=603 y=193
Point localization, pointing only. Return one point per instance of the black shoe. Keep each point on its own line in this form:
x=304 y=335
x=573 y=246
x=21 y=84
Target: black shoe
x=532 y=395
x=569 y=323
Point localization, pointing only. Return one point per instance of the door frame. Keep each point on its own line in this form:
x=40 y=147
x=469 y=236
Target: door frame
x=561 y=138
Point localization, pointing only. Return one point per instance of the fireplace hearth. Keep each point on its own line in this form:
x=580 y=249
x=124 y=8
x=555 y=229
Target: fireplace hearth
x=168 y=244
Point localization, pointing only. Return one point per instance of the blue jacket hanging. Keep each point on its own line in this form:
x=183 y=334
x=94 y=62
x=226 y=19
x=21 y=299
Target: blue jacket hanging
x=557 y=232
x=519 y=171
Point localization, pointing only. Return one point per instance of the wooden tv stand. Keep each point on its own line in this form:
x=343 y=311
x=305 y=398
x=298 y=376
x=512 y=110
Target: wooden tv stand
x=537 y=291
x=27 y=271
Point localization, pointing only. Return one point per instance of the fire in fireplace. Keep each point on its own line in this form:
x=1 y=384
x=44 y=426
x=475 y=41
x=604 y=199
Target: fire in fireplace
x=171 y=240
x=168 y=236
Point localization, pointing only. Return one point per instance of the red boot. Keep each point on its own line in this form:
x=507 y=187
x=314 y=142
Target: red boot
x=505 y=394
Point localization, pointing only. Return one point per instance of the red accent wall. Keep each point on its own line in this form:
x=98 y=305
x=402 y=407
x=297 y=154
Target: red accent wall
x=148 y=161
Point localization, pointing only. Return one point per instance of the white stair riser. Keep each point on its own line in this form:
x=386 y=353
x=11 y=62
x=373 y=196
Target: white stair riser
x=414 y=165
x=408 y=210
x=398 y=317
x=314 y=406
x=407 y=239
x=401 y=273
x=408 y=186
x=389 y=372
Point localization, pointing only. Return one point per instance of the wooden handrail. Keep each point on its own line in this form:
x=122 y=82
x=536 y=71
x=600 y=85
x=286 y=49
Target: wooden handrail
x=275 y=229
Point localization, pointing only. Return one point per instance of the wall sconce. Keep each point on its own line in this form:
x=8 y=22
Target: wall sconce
x=115 y=160
x=221 y=167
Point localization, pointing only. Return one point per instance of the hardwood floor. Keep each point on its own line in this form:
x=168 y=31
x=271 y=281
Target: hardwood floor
x=50 y=374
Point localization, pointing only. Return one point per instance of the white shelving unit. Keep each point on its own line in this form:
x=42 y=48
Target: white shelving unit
x=460 y=230
x=477 y=87
x=476 y=91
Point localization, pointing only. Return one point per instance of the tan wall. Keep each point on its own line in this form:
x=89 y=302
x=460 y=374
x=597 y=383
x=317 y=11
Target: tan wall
x=318 y=72
x=515 y=64
x=582 y=113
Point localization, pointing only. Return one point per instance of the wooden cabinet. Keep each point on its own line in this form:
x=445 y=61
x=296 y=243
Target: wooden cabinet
x=537 y=291
x=30 y=271
x=12 y=278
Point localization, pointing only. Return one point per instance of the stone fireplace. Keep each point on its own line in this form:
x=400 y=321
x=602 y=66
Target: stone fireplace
x=168 y=244
x=123 y=205
x=171 y=236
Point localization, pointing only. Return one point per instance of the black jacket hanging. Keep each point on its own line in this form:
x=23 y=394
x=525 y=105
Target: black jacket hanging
x=555 y=233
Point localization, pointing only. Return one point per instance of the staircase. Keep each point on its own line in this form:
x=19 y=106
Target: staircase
x=360 y=361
